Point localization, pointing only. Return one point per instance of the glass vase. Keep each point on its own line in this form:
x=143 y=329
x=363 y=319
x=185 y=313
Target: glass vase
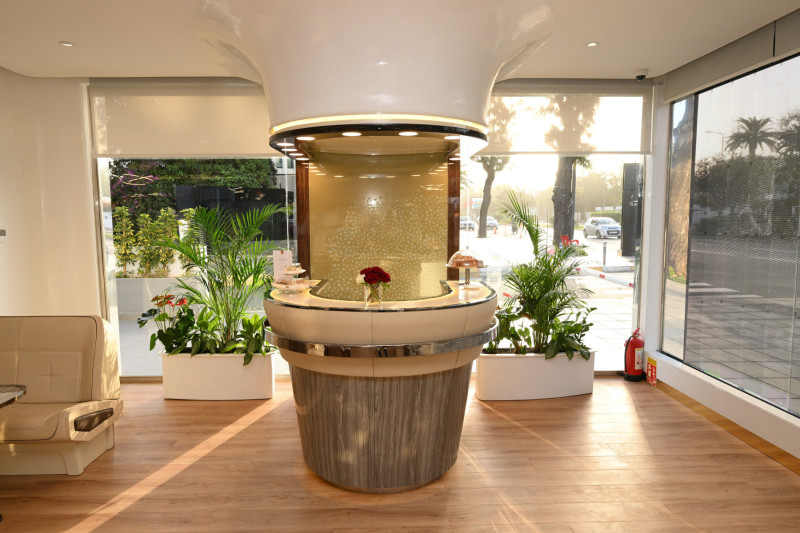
x=373 y=294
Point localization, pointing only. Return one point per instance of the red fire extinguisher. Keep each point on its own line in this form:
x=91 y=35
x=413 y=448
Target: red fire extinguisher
x=634 y=355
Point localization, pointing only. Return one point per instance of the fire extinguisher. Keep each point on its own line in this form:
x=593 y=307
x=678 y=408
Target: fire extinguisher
x=634 y=354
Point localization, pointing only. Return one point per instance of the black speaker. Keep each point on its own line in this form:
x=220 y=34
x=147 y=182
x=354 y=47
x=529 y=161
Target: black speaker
x=631 y=208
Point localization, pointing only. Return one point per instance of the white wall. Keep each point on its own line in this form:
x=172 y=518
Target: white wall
x=49 y=258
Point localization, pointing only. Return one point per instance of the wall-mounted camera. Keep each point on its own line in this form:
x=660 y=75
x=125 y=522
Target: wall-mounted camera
x=640 y=75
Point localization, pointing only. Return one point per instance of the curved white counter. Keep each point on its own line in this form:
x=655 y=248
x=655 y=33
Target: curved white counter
x=376 y=385
x=339 y=325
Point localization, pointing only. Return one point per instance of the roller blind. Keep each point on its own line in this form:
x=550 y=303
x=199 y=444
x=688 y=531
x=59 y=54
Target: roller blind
x=568 y=117
x=179 y=118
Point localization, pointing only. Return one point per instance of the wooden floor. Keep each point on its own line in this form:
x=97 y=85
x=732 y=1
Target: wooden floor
x=626 y=458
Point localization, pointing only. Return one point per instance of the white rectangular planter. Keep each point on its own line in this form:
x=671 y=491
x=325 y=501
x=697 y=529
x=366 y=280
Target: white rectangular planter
x=217 y=377
x=532 y=377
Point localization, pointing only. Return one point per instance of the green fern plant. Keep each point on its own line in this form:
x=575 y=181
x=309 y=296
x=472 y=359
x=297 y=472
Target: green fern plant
x=147 y=238
x=540 y=286
x=167 y=229
x=124 y=240
x=229 y=262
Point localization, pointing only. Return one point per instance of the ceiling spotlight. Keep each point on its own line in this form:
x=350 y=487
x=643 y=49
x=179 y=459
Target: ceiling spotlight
x=416 y=175
x=452 y=137
x=351 y=134
x=407 y=133
x=66 y=43
x=305 y=138
x=592 y=44
x=338 y=176
x=301 y=159
x=285 y=144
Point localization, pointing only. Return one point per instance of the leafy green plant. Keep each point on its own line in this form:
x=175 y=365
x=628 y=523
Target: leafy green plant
x=230 y=263
x=205 y=337
x=541 y=293
x=567 y=336
x=174 y=319
x=249 y=339
x=508 y=329
x=147 y=238
x=167 y=229
x=124 y=240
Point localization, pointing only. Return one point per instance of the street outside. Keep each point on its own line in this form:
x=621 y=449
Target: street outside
x=614 y=301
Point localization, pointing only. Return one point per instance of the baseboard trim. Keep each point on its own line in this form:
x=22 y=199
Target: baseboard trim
x=770 y=430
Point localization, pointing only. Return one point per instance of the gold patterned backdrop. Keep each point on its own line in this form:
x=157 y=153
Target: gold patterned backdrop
x=397 y=221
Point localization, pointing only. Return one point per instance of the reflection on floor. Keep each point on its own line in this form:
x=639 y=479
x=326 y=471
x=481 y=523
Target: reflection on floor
x=627 y=458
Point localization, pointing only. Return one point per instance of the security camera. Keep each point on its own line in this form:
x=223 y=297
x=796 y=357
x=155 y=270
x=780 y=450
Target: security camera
x=640 y=75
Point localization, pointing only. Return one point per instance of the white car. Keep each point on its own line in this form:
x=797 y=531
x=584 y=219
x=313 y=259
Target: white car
x=602 y=227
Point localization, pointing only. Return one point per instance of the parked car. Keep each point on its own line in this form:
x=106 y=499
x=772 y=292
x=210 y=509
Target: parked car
x=467 y=223
x=491 y=222
x=602 y=227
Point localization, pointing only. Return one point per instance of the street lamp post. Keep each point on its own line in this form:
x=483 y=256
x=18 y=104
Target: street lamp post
x=721 y=141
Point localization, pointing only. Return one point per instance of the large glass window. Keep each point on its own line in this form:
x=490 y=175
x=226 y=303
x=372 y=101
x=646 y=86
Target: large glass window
x=677 y=242
x=573 y=158
x=744 y=236
x=149 y=200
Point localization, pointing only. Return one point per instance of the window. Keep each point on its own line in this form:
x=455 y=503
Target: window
x=743 y=255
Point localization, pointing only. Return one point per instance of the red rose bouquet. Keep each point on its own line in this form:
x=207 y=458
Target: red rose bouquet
x=373 y=279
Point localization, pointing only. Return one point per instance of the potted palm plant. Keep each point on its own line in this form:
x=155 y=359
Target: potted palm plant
x=543 y=320
x=214 y=348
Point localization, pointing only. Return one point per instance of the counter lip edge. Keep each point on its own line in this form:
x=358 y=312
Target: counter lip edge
x=378 y=309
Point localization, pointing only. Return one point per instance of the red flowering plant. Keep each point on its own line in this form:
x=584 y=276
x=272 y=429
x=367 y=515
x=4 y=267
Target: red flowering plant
x=175 y=321
x=373 y=279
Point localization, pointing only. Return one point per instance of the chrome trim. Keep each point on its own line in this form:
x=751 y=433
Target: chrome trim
x=387 y=350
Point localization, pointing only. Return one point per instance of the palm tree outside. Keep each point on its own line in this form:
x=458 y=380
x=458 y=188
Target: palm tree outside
x=752 y=134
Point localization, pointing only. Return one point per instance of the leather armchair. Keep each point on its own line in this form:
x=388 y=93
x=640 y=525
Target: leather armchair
x=69 y=365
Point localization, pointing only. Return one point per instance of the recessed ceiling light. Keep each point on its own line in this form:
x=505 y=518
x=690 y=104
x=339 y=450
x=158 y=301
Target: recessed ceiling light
x=452 y=137
x=338 y=176
x=66 y=43
x=416 y=175
x=408 y=133
x=305 y=138
x=285 y=144
x=592 y=44
x=301 y=159
x=455 y=159
x=351 y=134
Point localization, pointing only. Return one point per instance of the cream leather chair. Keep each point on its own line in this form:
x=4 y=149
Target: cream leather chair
x=66 y=419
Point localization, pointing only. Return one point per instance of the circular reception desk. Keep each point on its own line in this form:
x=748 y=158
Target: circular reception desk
x=381 y=389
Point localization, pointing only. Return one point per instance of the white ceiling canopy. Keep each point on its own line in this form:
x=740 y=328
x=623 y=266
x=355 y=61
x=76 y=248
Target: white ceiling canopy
x=157 y=38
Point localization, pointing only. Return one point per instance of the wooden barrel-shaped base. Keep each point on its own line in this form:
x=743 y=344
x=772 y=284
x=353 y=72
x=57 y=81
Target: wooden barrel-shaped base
x=380 y=434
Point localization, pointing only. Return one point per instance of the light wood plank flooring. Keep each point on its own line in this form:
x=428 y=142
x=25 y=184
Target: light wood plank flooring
x=626 y=458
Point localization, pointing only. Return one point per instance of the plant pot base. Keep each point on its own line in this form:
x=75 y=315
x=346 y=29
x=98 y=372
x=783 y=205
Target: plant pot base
x=532 y=377
x=217 y=377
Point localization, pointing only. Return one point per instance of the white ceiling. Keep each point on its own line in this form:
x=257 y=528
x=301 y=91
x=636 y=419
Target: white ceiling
x=156 y=38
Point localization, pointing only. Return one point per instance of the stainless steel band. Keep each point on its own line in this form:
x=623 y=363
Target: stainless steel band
x=388 y=350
